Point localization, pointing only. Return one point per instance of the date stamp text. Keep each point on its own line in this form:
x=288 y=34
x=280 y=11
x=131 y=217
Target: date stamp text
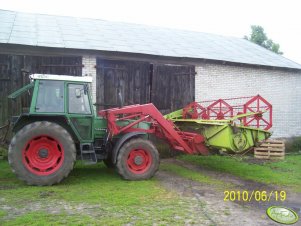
x=255 y=195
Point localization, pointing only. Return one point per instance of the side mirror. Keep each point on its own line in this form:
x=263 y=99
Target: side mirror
x=78 y=93
x=86 y=88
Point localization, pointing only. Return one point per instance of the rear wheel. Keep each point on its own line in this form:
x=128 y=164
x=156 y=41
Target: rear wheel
x=138 y=159
x=42 y=153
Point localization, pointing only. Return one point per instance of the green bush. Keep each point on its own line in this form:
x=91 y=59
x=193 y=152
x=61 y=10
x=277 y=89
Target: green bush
x=3 y=153
x=293 y=144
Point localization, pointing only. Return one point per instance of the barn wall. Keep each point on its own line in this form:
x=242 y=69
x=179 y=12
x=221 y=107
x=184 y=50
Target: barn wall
x=279 y=87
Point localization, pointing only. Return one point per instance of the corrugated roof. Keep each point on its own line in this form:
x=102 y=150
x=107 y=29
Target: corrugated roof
x=94 y=34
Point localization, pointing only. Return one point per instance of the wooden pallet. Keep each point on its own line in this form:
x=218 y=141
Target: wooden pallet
x=270 y=149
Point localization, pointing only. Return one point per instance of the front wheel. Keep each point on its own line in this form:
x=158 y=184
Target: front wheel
x=42 y=153
x=138 y=159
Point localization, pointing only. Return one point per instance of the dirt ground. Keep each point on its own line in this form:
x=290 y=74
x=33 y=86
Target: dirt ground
x=211 y=199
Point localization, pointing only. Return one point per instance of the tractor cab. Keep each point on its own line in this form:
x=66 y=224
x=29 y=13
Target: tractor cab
x=60 y=97
x=61 y=94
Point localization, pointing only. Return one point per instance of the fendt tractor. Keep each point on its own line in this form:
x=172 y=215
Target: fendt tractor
x=62 y=125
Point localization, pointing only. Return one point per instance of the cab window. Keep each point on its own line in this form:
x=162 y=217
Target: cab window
x=50 y=96
x=78 y=101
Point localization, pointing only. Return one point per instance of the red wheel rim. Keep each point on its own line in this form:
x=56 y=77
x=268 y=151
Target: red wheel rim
x=139 y=161
x=43 y=155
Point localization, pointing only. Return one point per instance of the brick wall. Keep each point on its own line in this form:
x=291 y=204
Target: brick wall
x=89 y=69
x=279 y=87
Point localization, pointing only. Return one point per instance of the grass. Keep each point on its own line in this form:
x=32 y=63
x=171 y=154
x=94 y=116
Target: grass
x=40 y=218
x=283 y=173
x=92 y=195
x=3 y=213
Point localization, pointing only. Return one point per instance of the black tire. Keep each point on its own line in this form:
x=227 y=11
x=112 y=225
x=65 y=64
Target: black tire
x=151 y=162
x=32 y=132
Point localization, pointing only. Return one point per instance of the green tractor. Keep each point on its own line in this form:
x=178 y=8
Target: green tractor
x=62 y=125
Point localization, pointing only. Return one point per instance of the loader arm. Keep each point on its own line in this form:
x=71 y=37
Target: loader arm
x=179 y=140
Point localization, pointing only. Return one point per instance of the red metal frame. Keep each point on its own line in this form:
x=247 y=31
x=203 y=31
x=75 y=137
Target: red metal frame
x=187 y=142
x=220 y=109
x=255 y=105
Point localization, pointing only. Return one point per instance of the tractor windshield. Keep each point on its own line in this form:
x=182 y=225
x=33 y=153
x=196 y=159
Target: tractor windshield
x=50 y=97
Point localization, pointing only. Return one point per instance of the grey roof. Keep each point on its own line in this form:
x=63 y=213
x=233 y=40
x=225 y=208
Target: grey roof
x=95 y=34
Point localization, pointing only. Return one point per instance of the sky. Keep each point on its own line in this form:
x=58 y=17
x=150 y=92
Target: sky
x=281 y=19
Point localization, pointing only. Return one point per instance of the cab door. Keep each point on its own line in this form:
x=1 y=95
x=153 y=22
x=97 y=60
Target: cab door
x=79 y=110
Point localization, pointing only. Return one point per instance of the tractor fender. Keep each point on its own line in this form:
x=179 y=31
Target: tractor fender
x=121 y=141
x=24 y=119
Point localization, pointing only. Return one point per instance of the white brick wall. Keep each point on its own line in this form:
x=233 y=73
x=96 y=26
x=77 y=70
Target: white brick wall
x=281 y=88
x=89 y=69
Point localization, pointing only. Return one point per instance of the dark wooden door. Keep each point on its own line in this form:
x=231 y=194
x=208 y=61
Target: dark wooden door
x=130 y=77
x=10 y=80
x=169 y=87
x=172 y=86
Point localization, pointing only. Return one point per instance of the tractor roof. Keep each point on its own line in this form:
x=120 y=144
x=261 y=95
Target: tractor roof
x=60 y=77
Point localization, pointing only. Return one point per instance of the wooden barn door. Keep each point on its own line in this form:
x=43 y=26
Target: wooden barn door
x=130 y=77
x=10 y=79
x=172 y=86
